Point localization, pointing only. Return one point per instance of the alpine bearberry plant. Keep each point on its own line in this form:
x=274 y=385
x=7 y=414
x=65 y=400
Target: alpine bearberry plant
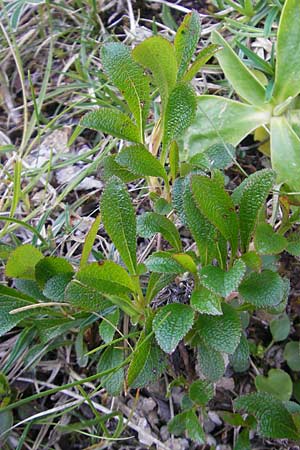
x=231 y=263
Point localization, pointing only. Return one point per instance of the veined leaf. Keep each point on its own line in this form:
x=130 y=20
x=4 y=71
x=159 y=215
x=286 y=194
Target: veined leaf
x=51 y=266
x=217 y=207
x=107 y=328
x=240 y=358
x=285 y=153
x=167 y=262
x=203 y=56
x=111 y=358
x=22 y=261
x=221 y=282
x=119 y=221
x=113 y=122
x=186 y=40
x=206 y=302
x=137 y=159
x=130 y=79
x=267 y=242
x=156 y=283
x=188 y=422
x=254 y=192
x=211 y=362
x=277 y=383
x=157 y=54
x=112 y=168
x=220 y=120
x=89 y=241
x=179 y=113
x=262 y=289
x=222 y=333
x=201 y=391
x=242 y=80
x=171 y=323
x=151 y=223
x=274 y=420
x=287 y=73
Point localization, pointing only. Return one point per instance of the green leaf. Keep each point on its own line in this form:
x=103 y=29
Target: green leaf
x=171 y=323
x=201 y=392
x=170 y=263
x=89 y=241
x=187 y=421
x=278 y=383
x=111 y=168
x=211 y=362
x=280 y=328
x=243 y=440
x=86 y=297
x=285 y=153
x=274 y=420
x=112 y=121
x=51 y=266
x=293 y=246
x=217 y=206
x=206 y=302
x=157 y=54
x=150 y=223
x=242 y=80
x=147 y=364
x=6 y=424
x=240 y=358
x=110 y=359
x=180 y=112
x=253 y=196
x=220 y=120
x=156 y=283
x=130 y=79
x=221 y=282
x=22 y=261
x=292 y=355
x=108 y=326
x=263 y=289
x=138 y=160
x=11 y=299
x=55 y=287
x=81 y=350
x=218 y=156
x=287 y=73
x=119 y=221
x=252 y=260
x=203 y=56
x=267 y=242
x=222 y=333
x=186 y=40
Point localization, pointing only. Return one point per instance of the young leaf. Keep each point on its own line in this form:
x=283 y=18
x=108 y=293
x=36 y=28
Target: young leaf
x=278 y=383
x=287 y=73
x=51 y=266
x=110 y=359
x=201 y=392
x=220 y=282
x=111 y=168
x=179 y=113
x=292 y=355
x=22 y=261
x=242 y=80
x=119 y=221
x=107 y=328
x=220 y=120
x=274 y=420
x=138 y=160
x=89 y=241
x=151 y=223
x=206 y=302
x=280 y=328
x=55 y=287
x=186 y=40
x=222 y=333
x=217 y=207
x=112 y=121
x=285 y=153
x=211 y=362
x=240 y=358
x=147 y=364
x=203 y=56
x=156 y=283
x=130 y=79
x=187 y=421
x=253 y=195
x=267 y=242
x=165 y=262
x=157 y=54
x=263 y=289
x=171 y=323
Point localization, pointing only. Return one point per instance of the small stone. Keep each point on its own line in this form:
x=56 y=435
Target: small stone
x=215 y=418
x=164 y=433
x=177 y=444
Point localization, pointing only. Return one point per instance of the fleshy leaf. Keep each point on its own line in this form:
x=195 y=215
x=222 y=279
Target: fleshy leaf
x=112 y=121
x=278 y=383
x=240 y=358
x=22 y=261
x=206 y=302
x=280 y=328
x=129 y=78
x=211 y=362
x=287 y=73
x=157 y=54
x=221 y=282
x=220 y=120
x=165 y=262
x=186 y=40
x=274 y=420
x=171 y=324
x=267 y=242
x=119 y=221
x=222 y=333
x=151 y=223
x=263 y=289
x=242 y=80
x=292 y=355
